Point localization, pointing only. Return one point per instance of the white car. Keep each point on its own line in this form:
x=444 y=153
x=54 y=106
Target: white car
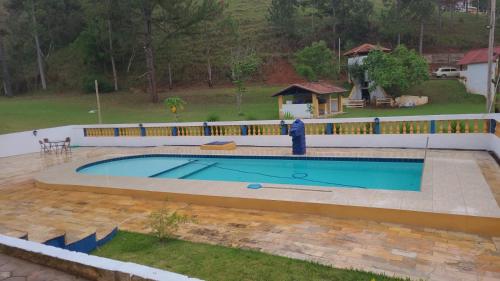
x=446 y=71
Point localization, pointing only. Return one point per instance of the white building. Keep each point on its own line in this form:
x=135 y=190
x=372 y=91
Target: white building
x=361 y=86
x=474 y=70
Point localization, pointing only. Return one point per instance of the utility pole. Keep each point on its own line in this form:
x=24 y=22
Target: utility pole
x=490 y=95
x=99 y=118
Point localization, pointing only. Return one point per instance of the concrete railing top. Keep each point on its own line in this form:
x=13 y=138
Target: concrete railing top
x=495 y=116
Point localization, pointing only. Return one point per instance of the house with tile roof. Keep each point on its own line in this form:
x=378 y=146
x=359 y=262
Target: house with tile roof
x=474 y=69
x=361 y=87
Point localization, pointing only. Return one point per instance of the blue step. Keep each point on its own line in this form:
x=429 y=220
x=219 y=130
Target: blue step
x=185 y=171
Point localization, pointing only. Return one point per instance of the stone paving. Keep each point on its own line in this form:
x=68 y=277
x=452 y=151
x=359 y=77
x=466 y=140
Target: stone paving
x=13 y=269
x=389 y=248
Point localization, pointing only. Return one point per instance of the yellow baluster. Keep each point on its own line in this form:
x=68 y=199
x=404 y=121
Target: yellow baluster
x=457 y=128
x=476 y=126
x=449 y=126
x=371 y=128
x=485 y=126
x=411 y=127
x=467 y=129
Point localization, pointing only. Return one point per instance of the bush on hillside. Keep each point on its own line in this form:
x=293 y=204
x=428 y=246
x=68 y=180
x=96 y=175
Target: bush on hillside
x=315 y=62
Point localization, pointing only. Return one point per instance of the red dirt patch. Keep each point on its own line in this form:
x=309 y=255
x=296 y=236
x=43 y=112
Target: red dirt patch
x=279 y=71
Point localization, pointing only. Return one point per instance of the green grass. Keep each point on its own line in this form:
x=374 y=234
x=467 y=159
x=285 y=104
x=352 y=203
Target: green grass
x=48 y=110
x=219 y=263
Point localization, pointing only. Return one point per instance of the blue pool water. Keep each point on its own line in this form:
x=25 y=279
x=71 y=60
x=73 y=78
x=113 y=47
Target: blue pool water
x=390 y=174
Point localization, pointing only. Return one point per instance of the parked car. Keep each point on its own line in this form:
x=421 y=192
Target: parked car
x=446 y=71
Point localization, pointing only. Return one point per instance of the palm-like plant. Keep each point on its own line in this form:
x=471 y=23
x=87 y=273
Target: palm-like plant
x=175 y=104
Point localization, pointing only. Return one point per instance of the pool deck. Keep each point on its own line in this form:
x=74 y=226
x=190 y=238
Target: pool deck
x=393 y=249
x=452 y=184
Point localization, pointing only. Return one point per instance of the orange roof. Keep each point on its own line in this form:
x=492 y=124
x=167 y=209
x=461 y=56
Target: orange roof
x=365 y=49
x=320 y=88
x=478 y=56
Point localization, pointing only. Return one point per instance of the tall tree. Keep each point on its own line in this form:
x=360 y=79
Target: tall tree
x=39 y=54
x=173 y=18
x=421 y=12
x=282 y=14
x=3 y=56
x=350 y=19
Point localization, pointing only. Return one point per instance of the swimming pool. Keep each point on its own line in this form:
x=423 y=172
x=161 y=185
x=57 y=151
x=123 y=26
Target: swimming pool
x=368 y=173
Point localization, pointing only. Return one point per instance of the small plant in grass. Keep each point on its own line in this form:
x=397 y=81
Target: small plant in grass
x=175 y=104
x=288 y=116
x=164 y=223
x=213 y=117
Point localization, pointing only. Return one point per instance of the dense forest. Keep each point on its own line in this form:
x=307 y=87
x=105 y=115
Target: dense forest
x=155 y=44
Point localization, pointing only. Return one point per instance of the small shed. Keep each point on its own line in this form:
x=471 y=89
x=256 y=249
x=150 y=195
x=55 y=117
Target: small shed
x=310 y=100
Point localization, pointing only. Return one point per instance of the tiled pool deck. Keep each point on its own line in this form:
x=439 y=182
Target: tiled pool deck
x=391 y=248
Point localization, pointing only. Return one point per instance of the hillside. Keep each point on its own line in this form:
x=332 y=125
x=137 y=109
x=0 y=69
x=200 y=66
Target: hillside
x=75 y=56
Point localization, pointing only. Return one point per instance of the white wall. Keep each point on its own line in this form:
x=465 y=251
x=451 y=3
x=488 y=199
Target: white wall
x=297 y=110
x=476 y=78
x=26 y=142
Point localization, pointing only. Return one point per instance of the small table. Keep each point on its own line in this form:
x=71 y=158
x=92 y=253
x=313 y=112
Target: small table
x=55 y=144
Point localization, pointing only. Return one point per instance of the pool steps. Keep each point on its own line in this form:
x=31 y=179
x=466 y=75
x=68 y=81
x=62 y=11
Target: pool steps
x=186 y=170
x=172 y=168
x=83 y=243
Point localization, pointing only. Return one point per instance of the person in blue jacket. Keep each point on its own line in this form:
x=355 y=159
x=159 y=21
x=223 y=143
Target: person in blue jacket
x=298 y=134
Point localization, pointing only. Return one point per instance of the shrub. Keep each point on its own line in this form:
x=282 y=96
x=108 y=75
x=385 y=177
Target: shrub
x=212 y=117
x=315 y=62
x=288 y=116
x=89 y=87
x=163 y=223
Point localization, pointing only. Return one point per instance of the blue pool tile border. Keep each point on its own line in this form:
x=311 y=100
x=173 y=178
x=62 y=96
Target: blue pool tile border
x=320 y=158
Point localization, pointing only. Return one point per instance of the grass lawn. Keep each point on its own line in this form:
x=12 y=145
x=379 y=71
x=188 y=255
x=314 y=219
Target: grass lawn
x=218 y=263
x=37 y=110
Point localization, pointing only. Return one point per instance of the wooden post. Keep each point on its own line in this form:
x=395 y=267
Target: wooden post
x=280 y=107
x=315 y=106
x=98 y=102
x=340 y=101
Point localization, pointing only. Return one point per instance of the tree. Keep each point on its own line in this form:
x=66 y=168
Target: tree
x=3 y=56
x=350 y=19
x=394 y=23
x=315 y=62
x=420 y=11
x=282 y=15
x=39 y=55
x=174 y=18
x=243 y=63
x=397 y=71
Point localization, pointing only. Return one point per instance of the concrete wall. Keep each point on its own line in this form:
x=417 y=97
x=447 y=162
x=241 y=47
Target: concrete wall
x=83 y=265
x=476 y=78
x=26 y=142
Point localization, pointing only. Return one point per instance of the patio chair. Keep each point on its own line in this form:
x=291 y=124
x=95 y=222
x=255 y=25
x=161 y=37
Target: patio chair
x=66 y=145
x=47 y=143
x=43 y=147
